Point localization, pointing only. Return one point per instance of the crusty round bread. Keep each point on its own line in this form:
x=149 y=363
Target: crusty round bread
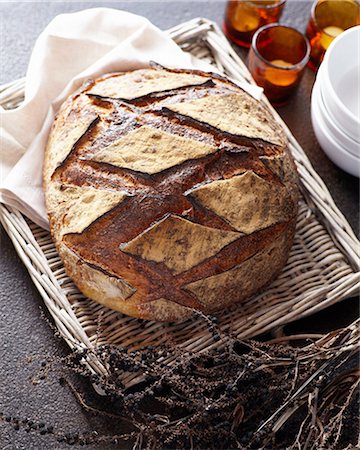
x=168 y=191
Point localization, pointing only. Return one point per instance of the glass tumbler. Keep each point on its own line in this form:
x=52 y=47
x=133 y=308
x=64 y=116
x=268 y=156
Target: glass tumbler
x=243 y=18
x=328 y=19
x=277 y=59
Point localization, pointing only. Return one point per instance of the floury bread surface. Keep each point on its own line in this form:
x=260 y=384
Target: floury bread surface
x=169 y=191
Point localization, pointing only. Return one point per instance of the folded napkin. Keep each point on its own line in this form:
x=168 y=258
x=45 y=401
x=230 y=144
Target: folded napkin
x=71 y=49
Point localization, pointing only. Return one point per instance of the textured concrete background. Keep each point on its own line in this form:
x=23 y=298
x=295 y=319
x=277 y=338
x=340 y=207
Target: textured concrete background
x=25 y=338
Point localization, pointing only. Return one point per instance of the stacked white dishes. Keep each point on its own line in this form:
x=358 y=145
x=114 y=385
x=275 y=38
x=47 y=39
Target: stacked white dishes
x=335 y=102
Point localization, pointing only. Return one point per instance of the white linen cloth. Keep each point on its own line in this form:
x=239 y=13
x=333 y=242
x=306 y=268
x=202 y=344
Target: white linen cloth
x=71 y=49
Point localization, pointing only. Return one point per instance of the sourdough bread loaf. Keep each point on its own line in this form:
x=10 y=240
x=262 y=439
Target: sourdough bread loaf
x=169 y=191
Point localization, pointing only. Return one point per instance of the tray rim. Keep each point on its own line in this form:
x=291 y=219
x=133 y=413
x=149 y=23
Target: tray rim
x=314 y=189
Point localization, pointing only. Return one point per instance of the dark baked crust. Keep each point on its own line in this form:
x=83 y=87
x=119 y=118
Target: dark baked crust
x=152 y=230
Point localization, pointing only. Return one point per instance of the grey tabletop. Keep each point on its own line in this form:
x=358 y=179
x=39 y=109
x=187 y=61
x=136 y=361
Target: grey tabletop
x=26 y=338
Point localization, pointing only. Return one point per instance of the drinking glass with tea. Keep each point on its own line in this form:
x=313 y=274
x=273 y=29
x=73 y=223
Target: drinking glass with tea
x=277 y=58
x=328 y=19
x=243 y=18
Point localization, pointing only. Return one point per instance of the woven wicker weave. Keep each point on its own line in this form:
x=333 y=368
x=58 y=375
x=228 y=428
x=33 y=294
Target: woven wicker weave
x=323 y=267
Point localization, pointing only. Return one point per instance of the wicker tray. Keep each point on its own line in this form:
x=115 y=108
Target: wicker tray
x=323 y=267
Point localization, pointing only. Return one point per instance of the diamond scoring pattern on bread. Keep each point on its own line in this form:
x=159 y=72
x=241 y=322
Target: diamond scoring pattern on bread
x=128 y=86
x=179 y=243
x=208 y=290
x=247 y=201
x=78 y=207
x=167 y=220
x=234 y=113
x=149 y=150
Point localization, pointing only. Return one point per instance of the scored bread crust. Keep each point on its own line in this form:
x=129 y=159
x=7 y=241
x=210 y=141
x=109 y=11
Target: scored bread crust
x=169 y=191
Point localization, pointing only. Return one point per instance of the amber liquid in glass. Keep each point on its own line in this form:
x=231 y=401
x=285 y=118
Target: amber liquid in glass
x=329 y=19
x=278 y=84
x=243 y=18
x=277 y=62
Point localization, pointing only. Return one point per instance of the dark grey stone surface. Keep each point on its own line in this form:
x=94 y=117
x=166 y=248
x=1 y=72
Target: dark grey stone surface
x=23 y=333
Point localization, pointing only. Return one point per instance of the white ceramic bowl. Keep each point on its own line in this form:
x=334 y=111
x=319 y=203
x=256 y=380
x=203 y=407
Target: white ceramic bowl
x=344 y=140
x=339 y=76
x=341 y=157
